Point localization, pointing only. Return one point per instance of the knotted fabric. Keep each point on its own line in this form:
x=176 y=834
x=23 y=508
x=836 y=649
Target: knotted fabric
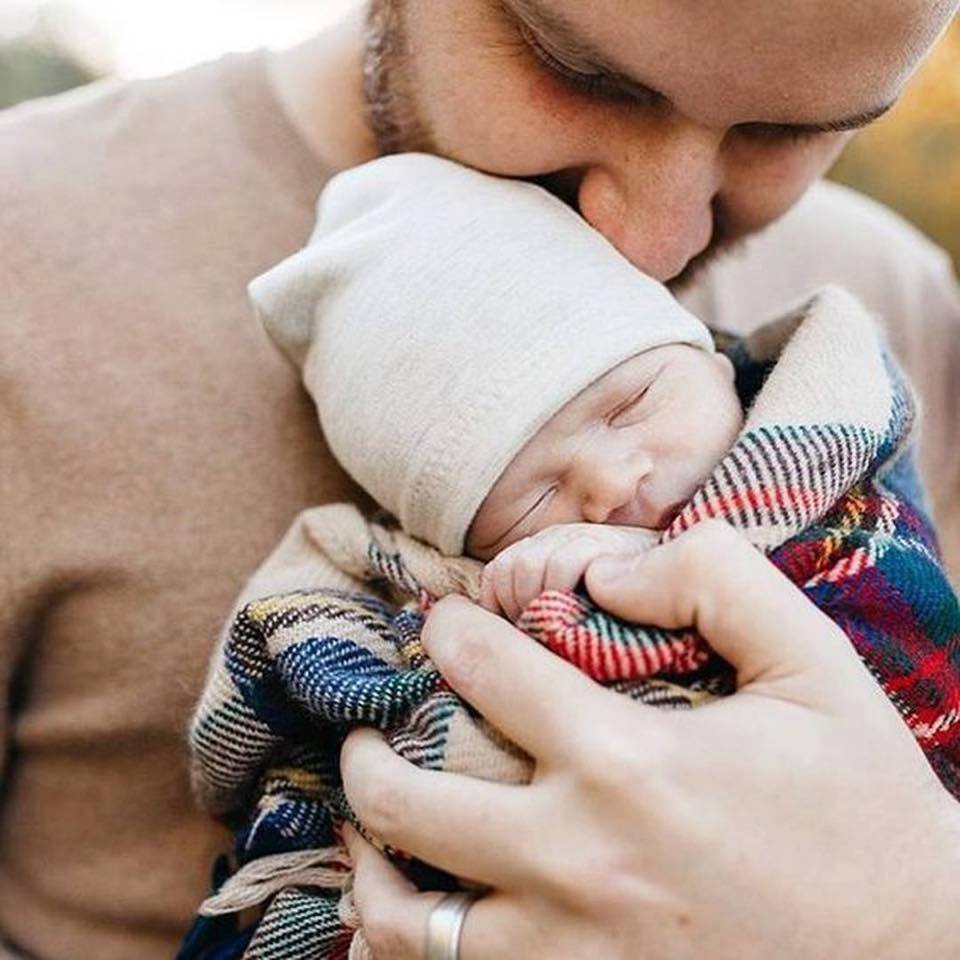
x=820 y=479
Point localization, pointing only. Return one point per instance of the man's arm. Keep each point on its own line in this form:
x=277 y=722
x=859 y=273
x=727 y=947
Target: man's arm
x=797 y=818
x=28 y=582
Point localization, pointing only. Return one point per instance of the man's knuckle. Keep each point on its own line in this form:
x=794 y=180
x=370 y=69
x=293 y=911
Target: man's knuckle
x=609 y=881
x=473 y=652
x=382 y=930
x=596 y=877
x=558 y=870
x=622 y=766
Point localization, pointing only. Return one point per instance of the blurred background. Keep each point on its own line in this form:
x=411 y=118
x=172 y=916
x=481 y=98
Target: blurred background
x=910 y=159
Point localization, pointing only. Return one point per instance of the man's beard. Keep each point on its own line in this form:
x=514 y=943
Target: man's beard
x=398 y=126
x=388 y=85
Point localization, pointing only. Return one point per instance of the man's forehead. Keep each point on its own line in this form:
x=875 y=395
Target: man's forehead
x=797 y=61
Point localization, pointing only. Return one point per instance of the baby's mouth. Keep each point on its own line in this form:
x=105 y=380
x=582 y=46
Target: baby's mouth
x=670 y=514
x=645 y=511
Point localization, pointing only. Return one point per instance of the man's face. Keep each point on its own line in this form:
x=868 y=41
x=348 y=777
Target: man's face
x=673 y=126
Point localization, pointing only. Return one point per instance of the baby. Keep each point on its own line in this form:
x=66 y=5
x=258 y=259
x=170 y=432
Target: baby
x=507 y=386
x=500 y=371
x=626 y=453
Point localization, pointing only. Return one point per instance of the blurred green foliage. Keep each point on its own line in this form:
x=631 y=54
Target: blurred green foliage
x=910 y=159
x=37 y=68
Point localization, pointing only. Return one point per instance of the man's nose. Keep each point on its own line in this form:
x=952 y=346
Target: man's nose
x=651 y=194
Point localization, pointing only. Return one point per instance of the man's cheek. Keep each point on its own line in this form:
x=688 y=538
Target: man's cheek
x=500 y=113
x=764 y=182
x=506 y=138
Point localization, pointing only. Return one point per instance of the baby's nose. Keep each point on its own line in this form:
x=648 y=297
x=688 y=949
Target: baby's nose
x=610 y=488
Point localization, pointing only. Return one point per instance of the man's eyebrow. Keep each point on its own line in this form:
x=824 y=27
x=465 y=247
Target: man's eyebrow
x=552 y=26
x=853 y=122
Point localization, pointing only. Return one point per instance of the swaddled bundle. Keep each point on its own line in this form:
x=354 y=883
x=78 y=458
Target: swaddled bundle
x=820 y=478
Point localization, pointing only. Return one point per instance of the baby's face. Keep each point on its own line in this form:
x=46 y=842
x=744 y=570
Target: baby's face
x=629 y=450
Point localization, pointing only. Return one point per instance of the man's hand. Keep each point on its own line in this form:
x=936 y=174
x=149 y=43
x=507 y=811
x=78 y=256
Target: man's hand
x=797 y=819
x=554 y=559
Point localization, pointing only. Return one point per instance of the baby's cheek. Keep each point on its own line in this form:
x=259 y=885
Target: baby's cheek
x=720 y=424
x=701 y=462
x=480 y=542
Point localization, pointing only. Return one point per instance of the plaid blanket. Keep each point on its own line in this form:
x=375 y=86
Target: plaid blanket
x=820 y=479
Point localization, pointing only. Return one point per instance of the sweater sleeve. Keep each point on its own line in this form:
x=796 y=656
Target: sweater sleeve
x=28 y=584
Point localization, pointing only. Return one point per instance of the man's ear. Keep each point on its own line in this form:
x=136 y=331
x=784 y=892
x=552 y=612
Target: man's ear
x=725 y=363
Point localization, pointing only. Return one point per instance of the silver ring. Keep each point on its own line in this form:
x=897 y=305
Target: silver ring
x=445 y=924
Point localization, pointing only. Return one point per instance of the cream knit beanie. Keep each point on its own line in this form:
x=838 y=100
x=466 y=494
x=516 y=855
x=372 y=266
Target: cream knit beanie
x=442 y=316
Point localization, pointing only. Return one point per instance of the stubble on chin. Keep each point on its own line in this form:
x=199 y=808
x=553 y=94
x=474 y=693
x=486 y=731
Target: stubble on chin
x=388 y=83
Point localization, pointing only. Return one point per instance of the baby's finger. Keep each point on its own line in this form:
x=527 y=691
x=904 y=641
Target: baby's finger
x=497 y=585
x=527 y=582
x=566 y=566
x=505 y=595
x=488 y=590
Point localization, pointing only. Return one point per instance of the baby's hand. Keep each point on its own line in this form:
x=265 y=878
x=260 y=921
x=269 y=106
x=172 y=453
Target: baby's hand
x=553 y=559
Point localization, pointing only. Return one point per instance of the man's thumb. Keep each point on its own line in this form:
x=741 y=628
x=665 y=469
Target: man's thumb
x=711 y=579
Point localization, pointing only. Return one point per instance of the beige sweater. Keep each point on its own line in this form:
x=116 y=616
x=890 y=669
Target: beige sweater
x=154 y=447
